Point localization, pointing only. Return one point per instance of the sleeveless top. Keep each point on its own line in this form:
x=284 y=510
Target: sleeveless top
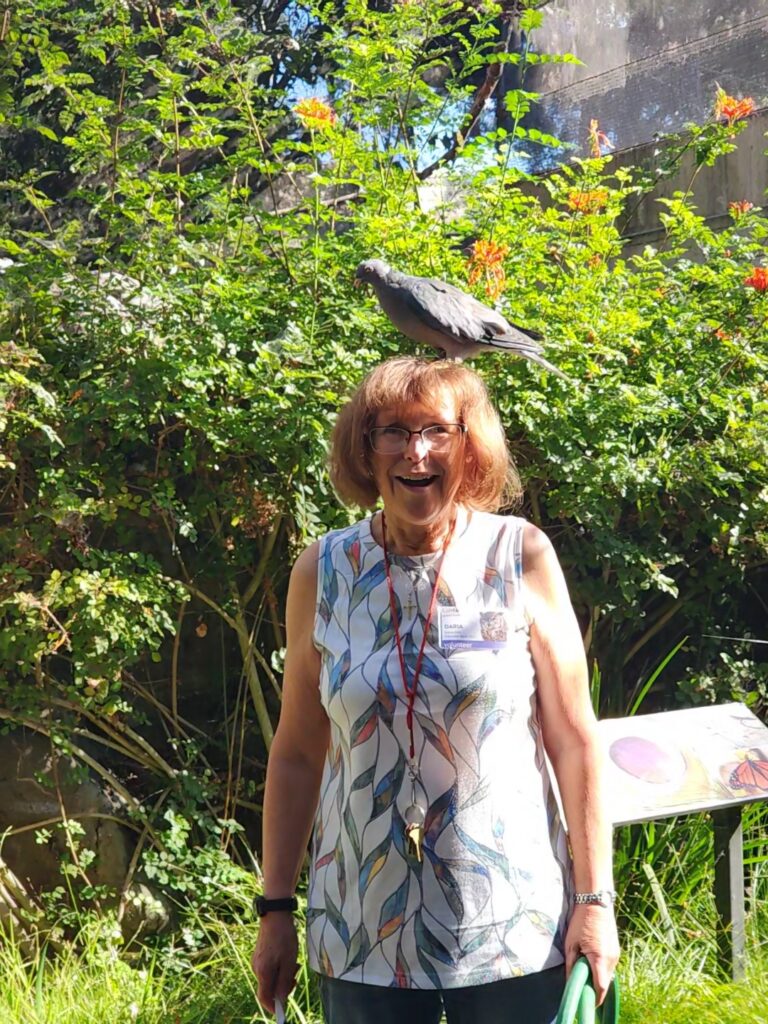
x=489 y=899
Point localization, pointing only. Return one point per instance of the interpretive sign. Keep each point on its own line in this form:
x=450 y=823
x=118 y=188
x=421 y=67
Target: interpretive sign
x=701 y=759
x=677 y=762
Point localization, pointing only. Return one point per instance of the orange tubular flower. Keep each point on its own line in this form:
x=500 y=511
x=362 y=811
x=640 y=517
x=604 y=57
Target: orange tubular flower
x=732 y=109
x=313 y=113
x=758 y=279
x=487 y=261
x=587 y=202
x=598 y=139
x=740 y=208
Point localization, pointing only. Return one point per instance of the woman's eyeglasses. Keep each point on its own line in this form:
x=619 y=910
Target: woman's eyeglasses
x=394 y=440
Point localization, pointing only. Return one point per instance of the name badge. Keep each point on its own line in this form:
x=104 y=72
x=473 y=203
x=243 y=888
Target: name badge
x=470 y=629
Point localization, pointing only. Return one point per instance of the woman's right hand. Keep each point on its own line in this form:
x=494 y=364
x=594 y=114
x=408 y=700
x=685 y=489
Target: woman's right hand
x=275 y=958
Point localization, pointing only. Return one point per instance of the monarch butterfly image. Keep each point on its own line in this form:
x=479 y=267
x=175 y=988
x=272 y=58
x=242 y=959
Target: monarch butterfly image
x=751 y=774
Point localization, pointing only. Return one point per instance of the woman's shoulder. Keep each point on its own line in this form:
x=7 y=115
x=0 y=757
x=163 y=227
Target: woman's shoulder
x=494 y=523
x=340 y=538
x=531 y=544
x=346 y=534
x=540 y=559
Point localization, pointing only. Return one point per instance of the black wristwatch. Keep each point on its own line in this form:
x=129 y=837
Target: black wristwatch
x=263 y=906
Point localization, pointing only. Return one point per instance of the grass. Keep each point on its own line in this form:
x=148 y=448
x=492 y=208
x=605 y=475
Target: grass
x=101 y=985
x=678 y=985
x=664 y=989
x=667 y=972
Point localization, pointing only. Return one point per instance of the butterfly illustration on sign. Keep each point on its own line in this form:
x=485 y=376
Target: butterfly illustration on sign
x=750 y=774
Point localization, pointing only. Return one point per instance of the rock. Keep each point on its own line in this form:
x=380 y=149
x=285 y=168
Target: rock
x=35 y=782
x=144 y=912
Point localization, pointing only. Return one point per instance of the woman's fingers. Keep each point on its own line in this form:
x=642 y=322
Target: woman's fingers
x=275 y=959
x=592 y=933
x=286 y=979
x=603 y=969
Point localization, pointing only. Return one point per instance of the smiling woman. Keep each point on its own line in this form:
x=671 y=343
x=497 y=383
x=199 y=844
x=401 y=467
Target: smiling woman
x=433 y=660
x=489 y=480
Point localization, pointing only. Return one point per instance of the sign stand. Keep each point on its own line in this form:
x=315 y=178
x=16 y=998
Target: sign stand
x=729 y=890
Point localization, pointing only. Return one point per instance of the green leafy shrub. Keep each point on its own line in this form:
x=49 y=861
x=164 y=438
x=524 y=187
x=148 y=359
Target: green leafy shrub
x=179 y=328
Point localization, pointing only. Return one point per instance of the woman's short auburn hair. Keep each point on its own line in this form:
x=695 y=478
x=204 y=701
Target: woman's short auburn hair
x=490 y=479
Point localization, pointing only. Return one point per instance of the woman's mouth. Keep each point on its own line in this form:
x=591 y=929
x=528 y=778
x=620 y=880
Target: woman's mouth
x=417 y=481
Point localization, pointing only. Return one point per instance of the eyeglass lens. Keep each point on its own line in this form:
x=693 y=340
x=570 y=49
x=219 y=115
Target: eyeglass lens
x=392 y=440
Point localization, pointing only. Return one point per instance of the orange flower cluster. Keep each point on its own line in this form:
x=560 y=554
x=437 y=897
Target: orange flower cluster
x=588 y=202
x=732 y=109
x=487 y=261
x=598 y=139
x=739 y=208
x=313 y=113
x=757 y=279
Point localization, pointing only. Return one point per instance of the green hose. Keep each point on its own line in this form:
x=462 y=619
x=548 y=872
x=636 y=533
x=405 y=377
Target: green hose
x=578 y=1002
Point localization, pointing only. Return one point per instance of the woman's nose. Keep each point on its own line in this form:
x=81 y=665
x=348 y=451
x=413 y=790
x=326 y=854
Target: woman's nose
x=417 y=447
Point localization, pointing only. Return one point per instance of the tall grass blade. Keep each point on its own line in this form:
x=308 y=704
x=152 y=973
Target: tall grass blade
x=654 y=676
x=670 y=934
x=39 y=983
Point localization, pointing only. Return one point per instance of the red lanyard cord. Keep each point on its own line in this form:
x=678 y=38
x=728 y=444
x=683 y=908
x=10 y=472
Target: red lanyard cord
x=410 y=690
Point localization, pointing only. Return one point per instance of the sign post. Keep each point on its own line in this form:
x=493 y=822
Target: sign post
x=729 y=890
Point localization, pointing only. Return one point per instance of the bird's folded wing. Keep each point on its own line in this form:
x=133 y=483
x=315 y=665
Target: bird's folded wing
x=450 y=310
x=445 y=309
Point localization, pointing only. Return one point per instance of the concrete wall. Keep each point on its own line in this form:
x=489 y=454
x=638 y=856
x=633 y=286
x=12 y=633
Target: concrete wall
x=742 y=174
x=649 y=67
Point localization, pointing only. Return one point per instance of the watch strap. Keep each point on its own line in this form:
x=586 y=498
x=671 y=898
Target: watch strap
x=262 y=906
x=601 y=898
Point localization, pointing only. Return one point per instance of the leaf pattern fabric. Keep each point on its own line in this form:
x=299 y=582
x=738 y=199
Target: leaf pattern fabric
x=489 y=899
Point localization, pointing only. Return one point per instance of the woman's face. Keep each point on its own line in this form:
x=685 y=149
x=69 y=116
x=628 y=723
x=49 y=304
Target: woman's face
x=419 y=484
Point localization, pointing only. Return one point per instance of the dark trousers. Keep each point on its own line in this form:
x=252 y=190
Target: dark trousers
x=530 y=999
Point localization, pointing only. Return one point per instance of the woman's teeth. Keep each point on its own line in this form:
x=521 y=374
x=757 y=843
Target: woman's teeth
x=416 y=481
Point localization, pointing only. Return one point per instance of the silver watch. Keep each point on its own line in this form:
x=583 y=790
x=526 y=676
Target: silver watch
x=601 y=898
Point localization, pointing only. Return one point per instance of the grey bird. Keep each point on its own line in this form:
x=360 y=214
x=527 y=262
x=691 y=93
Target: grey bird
x=433 y=312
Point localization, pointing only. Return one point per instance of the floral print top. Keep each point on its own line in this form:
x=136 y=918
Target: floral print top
x=489 y=898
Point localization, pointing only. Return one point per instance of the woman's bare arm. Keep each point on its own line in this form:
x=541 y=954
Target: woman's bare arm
x=294 y=771
x=570 y=738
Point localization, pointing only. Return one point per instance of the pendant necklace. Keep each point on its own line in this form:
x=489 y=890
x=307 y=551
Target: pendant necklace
x=415 y=814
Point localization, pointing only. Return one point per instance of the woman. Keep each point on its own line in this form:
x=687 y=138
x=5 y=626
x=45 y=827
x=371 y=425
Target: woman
x=433 y=657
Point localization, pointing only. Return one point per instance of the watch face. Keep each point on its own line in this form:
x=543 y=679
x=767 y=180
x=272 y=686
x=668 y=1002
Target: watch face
x=607 y=898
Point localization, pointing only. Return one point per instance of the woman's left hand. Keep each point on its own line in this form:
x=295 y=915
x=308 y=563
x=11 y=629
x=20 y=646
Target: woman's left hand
x=592 y=933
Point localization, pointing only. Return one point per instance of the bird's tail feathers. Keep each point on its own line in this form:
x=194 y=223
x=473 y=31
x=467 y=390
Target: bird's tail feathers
x=541 y=361
x=528 y=349
x=518 y=333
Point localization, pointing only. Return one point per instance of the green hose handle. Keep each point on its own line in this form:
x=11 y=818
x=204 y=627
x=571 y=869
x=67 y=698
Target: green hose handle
x=578 y=1002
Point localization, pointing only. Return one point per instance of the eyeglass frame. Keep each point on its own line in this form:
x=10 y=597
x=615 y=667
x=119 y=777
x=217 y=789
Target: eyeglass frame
x=462 y=433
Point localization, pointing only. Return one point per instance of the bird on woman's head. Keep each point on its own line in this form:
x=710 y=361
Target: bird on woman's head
x=433 y=312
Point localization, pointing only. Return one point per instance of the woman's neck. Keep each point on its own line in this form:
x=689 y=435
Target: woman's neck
x=405 y=538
